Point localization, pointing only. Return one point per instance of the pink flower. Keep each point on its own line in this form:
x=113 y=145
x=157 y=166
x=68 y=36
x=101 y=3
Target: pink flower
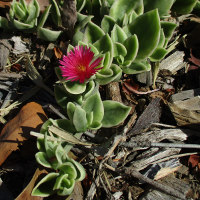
x=79 y=65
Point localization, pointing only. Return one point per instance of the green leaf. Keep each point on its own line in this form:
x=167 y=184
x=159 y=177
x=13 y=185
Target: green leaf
x=94 y=104
x=182 y=7
x=44 y=17
x=118 y=35
x=89 y=89
x=79 y=169
x=163 y=6
x=115 y=75
x=132 y=47
x=120 y=8
x=168 y=29
x=136 y=68
x=114 y=113
x=119 y=49
x=162 y=39
x=158 y=54
x=79 y=119
x=69 y=169
x=107 y=24
x=70 y=110
x=147 y=29
x=107 y=60
x=55 y=13
x=42 y=159
x=31 y=14
x=92 y=33
x=80 y=5
x=45 y=186
x=67 y=187
x=48 y=35
x=100 y=44
x=75 y=87
x=78 y=31
x=4 y=23
x=21 y=26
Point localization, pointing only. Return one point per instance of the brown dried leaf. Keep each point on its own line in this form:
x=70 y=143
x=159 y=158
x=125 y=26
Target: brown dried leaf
x=58 y=53
x=4 y=3
x=194 y=160
x=29 y=118
x=194 y=59
x=26 y=193
x=43 y=4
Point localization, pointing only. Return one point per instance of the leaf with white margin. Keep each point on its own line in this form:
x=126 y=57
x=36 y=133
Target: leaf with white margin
x=114 y=113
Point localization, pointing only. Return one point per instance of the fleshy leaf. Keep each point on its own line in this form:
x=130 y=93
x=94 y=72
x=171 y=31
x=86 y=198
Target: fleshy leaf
x=163 y=6
x=182 y=7
x=100 y=44
x=80 y=5
x=122 y=7
x=70 y=110
x=20 y=25
x=79 y=119
x=132 y=47
x=75 y=87
x=94 y=104
x=147 y=29
x=55 y=13
x=69 y=169
x=119 y=49
x=4 y=23
x=92 y=33
x=67 y=187
x=118 y=35
x=137 y=67
x=168 y=29
x=114 y=113
x=42 y=159
x=107 y=24
x=79 y=169
x=158 y=54
x=116 y=75
x=48 y=35
x=45 y=186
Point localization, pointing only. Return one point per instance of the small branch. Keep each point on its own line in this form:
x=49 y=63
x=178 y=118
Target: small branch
x=56 y=111
x=159 y=186
x=155 y=144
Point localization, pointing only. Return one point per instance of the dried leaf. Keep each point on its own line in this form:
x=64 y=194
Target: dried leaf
x=43 y=4
x=58 y=53
x=194 y=160
x=193 y=59
x=67 y=136
x=17 y=130
x=26 y=193
x=3 y=4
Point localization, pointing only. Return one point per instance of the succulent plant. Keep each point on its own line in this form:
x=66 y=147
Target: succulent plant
x=21 y=15
x=25 y=17
x=45 y=33
x=53 y=154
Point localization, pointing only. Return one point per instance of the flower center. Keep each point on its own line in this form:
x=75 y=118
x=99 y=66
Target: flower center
x=81 y=68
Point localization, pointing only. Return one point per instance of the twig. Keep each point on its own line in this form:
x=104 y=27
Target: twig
x=155 y=144
x=56 y=111
x=7 y=66
x=26 y=96
x=163 y=125
x=128 y=86
x=92 y=189
x=173 y=156
x=159 y=186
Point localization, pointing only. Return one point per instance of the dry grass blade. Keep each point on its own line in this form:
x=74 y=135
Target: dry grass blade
x=35 y=76
x=67 y=136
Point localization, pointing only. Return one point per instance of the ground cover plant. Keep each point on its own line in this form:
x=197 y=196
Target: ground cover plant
x=111 y=41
